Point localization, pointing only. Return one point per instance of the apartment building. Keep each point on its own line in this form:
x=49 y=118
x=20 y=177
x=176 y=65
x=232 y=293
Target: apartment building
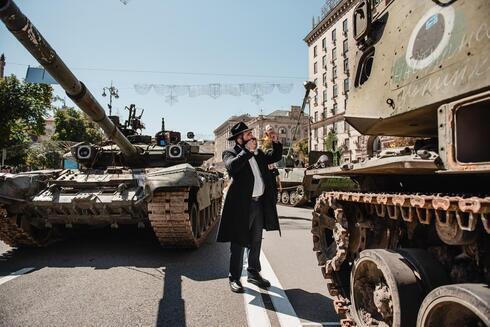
x=331 y=54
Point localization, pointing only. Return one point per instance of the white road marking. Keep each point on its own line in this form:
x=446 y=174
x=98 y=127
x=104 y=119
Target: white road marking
x=14 y=275
x=284 y=310
x=254 y=305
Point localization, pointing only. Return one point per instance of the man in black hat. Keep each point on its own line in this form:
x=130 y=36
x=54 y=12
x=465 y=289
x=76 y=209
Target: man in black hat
x=250 y=203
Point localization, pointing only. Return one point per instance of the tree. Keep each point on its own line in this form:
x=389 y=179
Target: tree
x=300 y=149
x=330 y=144
x=46 y=155
x=72 y=125
x=23 y=107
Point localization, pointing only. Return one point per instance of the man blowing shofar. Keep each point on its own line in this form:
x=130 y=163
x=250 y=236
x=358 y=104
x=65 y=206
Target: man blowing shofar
x=250 y=203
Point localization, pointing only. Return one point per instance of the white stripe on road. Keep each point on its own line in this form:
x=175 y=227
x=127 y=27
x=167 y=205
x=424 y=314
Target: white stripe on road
x=254 y=305
x=14 y=275
x=284 y=310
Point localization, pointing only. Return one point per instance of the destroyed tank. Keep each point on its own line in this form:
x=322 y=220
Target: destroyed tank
x=411 y=248
x=135 y=179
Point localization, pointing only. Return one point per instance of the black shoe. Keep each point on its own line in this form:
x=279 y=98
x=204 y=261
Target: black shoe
x=256 y=279
x=236 y=286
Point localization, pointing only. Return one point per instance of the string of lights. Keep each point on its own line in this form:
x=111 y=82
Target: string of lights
x=214 y=90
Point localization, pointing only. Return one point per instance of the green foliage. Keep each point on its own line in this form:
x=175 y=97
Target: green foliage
x=300 y=149
x=330 y=144
x=23 y=107
x=338 y=184
x=72 y=125
x=45 y=155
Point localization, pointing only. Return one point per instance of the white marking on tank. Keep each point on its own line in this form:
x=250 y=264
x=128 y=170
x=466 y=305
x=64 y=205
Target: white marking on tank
x=14 y=275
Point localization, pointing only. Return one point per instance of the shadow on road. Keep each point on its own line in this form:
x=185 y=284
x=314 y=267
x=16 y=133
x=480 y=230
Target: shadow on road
x=133 y=249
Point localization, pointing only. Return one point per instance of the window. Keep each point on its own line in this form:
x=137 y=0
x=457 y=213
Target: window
x=334 y=54
x=325 y=79
x=345 y=27
x=334 y=127
x=334 y=35
x=346 y=85
x=282 y=130
x=314 y=132
x=346 y=65
x=324 y=44
x=334 y=72
x=324 y=61
x=324 y=96
x=335 y=90
x=314 y=51
x=345 y=46
x=316 y=116
x=346 y=143
x=315 y=68
x=315 y=100
x=346 y=127
x=334 y=108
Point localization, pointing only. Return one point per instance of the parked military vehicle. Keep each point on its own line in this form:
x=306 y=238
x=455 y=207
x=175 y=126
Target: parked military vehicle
x=411 y=248
x=295 y=187
x=132 y=180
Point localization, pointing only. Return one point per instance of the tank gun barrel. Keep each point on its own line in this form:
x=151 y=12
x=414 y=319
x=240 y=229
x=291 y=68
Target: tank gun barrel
x=20 y=26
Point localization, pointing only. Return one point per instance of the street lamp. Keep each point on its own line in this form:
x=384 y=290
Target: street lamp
x=113 y=92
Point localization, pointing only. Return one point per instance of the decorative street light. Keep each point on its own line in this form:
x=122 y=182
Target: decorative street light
x=113 y=92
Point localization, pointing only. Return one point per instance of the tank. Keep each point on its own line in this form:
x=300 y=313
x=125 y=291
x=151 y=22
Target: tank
x=133 y=179
x=295 y=188
x=411 y=247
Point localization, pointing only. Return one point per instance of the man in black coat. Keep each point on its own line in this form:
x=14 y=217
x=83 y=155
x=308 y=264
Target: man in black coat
x=250 y=203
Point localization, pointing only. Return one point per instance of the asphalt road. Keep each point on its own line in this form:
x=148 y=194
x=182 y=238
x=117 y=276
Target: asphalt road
x=123 y=278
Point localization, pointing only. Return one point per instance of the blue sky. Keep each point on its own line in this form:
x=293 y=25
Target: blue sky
x=106 y=40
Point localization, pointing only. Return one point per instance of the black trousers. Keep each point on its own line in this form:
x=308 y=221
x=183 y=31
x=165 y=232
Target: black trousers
x=256 y=225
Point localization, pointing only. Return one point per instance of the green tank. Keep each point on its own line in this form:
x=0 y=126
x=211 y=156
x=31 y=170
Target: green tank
x=134 y=179
x=411 y=247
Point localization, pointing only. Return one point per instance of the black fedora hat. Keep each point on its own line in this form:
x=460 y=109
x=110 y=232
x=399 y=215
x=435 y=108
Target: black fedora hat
x=238 y=129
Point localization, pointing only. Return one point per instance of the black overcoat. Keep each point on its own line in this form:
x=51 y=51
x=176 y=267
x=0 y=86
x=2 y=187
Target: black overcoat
x=234 y=225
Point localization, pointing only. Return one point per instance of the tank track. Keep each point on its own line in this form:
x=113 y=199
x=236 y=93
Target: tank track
x=12 y=234
x=329 y=213
x=171 y=217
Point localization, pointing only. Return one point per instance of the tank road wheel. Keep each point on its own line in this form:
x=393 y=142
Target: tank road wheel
x=385 y=291
x=285 y=197
x=16 y=231
x=293 y=198
x=195 y=220
x=456 y=305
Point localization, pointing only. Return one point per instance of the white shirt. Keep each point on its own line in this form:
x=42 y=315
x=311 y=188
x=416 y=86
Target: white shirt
x=258 y=182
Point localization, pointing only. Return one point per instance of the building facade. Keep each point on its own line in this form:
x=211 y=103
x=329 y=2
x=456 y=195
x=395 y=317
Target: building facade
x=331 y=55
x=283 y=121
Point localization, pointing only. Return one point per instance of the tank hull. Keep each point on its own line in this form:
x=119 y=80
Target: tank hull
x=181 y=201
x=424 y=210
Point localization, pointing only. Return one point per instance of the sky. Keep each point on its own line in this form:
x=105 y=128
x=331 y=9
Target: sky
x=174 y=42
